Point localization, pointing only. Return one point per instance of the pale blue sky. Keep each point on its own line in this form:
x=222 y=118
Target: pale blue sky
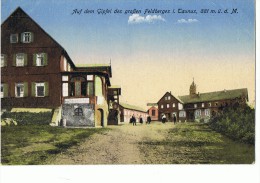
x=216 y=40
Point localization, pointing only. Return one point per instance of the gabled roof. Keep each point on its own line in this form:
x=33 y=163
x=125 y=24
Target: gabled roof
x=214 y=96
x=20 y=11
x=136 y=108
x=172 y=96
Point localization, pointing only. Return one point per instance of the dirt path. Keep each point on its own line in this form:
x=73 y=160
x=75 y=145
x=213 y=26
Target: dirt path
x=120 y=145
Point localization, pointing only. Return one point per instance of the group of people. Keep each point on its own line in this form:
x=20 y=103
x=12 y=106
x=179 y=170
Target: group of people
x=133 y=120
x=164 y=118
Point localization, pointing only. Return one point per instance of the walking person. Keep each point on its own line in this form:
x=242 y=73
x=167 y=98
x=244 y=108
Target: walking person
x=174 y=119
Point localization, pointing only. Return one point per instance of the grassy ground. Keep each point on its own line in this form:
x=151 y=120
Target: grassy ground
x=196 y=143
x=34 y=145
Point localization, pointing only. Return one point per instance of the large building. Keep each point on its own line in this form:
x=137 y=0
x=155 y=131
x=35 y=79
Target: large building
x=37 y=72
x=153 y=111
x=199 y=106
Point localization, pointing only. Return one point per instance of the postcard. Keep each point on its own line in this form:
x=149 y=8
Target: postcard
x=154 y=85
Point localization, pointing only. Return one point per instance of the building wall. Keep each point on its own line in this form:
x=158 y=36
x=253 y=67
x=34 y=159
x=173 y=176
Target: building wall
x=126 y=114
x=168 y=107
x=50 y=73
x=86 y=119
x=156 y=113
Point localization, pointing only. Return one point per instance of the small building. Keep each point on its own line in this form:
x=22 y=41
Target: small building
x=153 y=111
x=127 y=111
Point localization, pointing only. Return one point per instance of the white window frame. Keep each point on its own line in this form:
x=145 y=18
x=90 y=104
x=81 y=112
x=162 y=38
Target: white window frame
x=65 y=62
x=169 y=97
x=2 y=60
x=195 y=105
x=19 y=60
x=209 y=104
x=21 y=86
x=162 y=106
x=90 y=77
x=173 y=105
x=26 y=37
x=39 y=85
x=2 y=91
x=198 y=112
x=168 y=106
x=166 y=98
x=202 y=105
x=40 y=59
x=14 y=38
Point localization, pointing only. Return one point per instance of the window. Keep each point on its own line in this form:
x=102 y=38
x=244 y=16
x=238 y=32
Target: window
x=2 y=91
x=168 y=105
x=195 y=105
x=65 y=64
x=27 y=37
x=90 y=88
x=180 y=106
x=19 y=90
x=202 y=105
x=14 y=38
x=20 y=60
x=169 y=97
x=78 y=111
x=216 y=104
x=40 y=59
x=3 y=60
x=207 y=112
x=153 y=112
x=198 y=113
x=65 y=89
x=182 y=114
x=173 y=105
x=209 y=104
x=166 y=98
x=40 y=89
x=162 y=106
x=65 y=78
x=90 y=77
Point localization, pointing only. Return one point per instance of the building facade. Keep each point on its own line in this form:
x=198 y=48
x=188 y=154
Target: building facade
x=153 y=111
x=127 y=111
x=37 y=72
x=200 y=106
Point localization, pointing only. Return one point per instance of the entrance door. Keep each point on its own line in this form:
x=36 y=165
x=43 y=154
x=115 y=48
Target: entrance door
x=100 y=117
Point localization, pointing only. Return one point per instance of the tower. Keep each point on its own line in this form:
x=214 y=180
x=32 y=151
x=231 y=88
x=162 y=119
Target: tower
x=193 y=89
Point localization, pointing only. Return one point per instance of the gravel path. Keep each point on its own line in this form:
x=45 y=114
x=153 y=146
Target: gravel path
x=120 y=145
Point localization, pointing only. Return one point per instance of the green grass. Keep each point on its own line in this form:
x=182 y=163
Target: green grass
x=196 y=143
x=36 y=144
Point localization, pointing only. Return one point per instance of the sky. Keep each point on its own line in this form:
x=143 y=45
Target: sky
x=152 y=53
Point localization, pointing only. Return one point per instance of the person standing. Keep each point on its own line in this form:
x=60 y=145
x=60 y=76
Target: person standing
x=134 y=120
x=163 y=118
x=141 y=119
x=149 y=119
x=174 y=118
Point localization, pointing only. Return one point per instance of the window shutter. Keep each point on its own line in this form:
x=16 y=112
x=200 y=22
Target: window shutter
x=32 y=37
x=14 y=60
x=5 y=90
x=25 y=59
x=34 y=59
x=25 y=85
x=46 y=87
x=45 y=59
x=22 y=34
x=33 y=94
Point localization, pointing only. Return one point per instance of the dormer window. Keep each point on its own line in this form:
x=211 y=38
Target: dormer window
x=14 y=38
x=27 y=37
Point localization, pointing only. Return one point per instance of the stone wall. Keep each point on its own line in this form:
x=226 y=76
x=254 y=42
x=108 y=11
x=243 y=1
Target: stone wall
x=86 y=119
